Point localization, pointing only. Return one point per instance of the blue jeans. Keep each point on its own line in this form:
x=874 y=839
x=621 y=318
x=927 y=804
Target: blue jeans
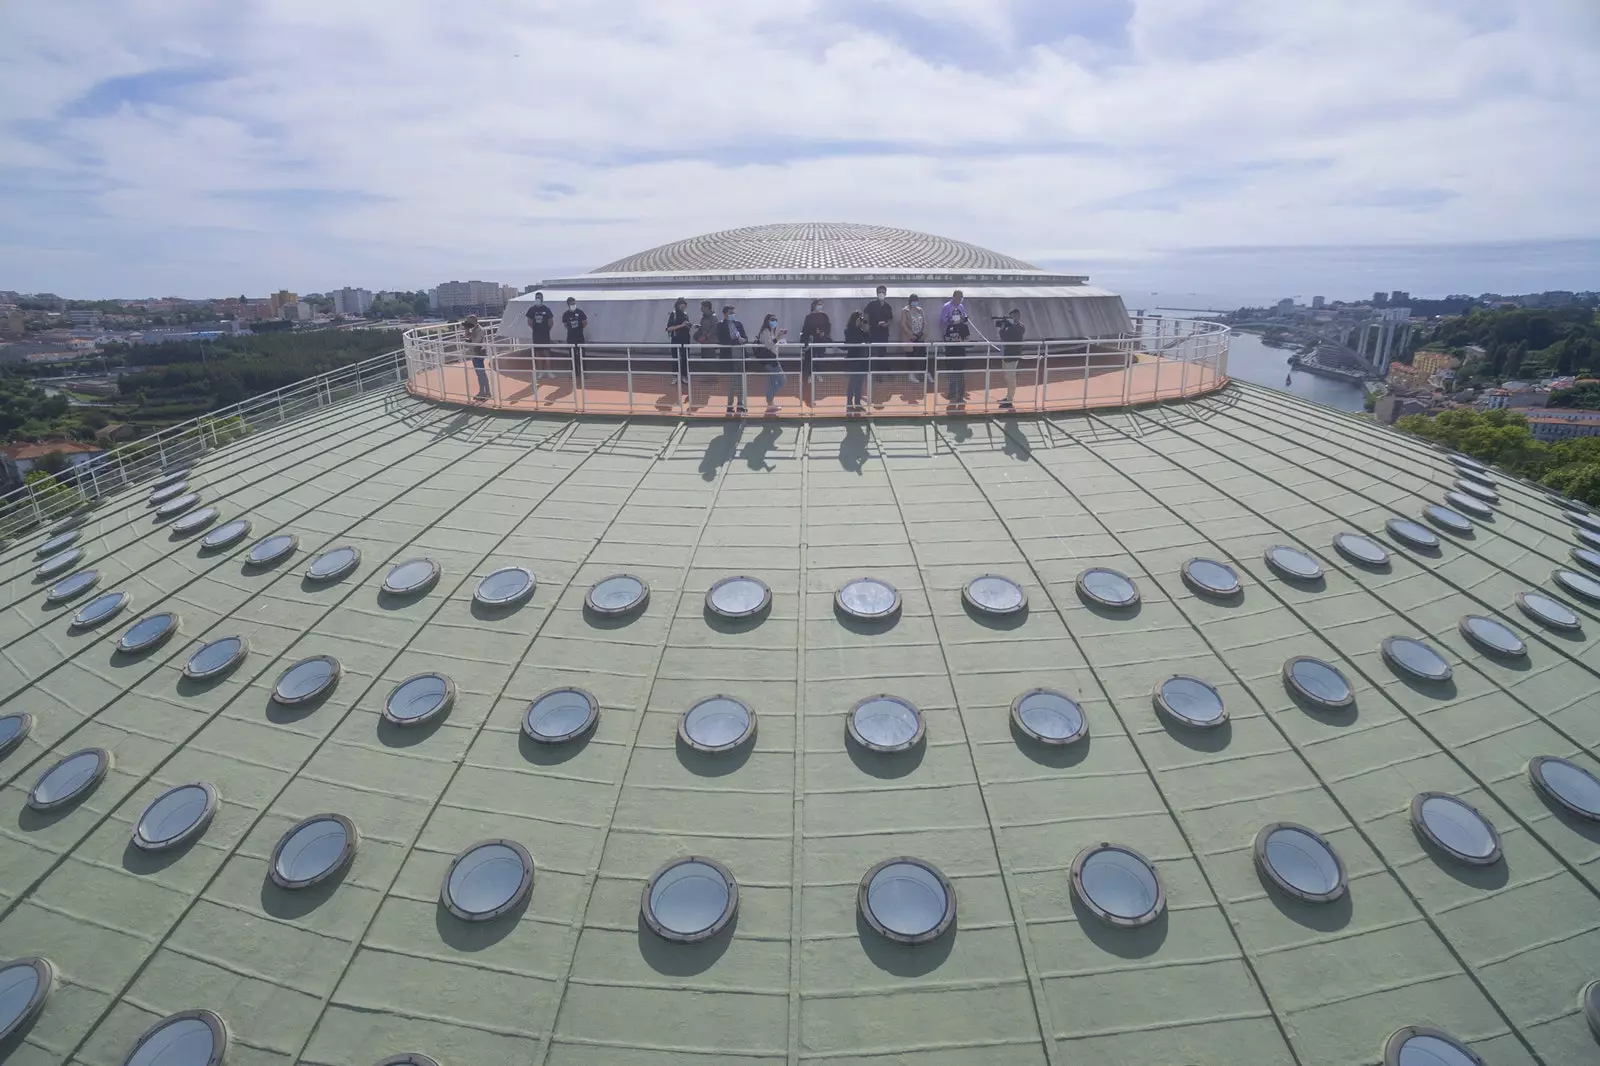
x=776 y=379
x=483 y=375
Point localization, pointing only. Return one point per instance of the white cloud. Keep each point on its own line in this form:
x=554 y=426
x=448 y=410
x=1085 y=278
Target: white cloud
x=309 y=145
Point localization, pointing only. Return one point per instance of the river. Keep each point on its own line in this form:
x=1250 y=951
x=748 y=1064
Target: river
x=1250 y=360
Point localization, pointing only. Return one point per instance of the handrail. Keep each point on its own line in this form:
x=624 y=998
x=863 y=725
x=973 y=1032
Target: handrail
x=38 y=502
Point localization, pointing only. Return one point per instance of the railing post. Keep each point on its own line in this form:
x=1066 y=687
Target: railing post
x=1085 y=374
x=627 y=359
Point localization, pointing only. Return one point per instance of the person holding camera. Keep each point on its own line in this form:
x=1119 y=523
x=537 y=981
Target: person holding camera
x=1011 y=333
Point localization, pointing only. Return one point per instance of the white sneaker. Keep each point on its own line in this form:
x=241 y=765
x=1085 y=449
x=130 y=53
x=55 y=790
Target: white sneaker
x=916 y=379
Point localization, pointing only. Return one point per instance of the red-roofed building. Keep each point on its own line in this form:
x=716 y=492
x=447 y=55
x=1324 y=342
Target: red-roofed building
x=16 y=460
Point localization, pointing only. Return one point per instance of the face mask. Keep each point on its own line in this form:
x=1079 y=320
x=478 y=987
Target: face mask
x=916 y=303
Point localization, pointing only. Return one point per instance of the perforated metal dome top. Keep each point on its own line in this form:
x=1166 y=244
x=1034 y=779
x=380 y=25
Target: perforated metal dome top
x=821 y=246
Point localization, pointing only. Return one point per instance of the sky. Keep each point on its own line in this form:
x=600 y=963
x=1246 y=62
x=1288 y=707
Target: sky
x=170 y=147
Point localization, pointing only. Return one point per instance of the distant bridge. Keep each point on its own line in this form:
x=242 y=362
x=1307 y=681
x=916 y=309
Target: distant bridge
x=1323 y=342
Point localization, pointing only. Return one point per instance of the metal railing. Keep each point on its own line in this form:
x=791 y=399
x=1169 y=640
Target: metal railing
x=39 y=502
x=1159 y=359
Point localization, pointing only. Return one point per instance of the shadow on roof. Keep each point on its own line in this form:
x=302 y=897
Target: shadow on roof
x=905 y=960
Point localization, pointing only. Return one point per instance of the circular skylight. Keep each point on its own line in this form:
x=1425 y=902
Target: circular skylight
x=313 y=850
x=1462 y=502
x=1191 y=702
x=1578 y=584
x=408 y=1058
x=1293 y=563
x=1411 y=532
x=410 y=577
x=1418 y=1045
x=24 y=986
x=617 y=594
x=689 y=899
x=1118 y=885
x=147 y=632
x=1587 y=556
x=270 y=549
x=226 y=534
x=59 y=562
x=175 y=817
x=419 y=698
x=1586 y=521
x=1468 y=463
x=97 y=610
x=168 y=491
x=1547 y=609
x=189 y=1038
x=70 y=779
x=170 y=477
x=76 y=585
x=487 y=880
x=869 y=598
x=907 y=899
x=177 y=506
x=561 y=715
x=1300 y=862
x=1590 y=997
x=1567 y=783
x=738 y=597
x=1360 y=549
x=1318 y=682
x=217 y=657
x=1107 y=587
x=14 y=729
x=993 y=594
x=1049 y=717
x=719 y=723
x=59 y=542
x=885 y=724
x=1575 y=506
x=195 y=520
x=1492 y=636
x=334 y=563
x=1589 y=537
x=1478 y=489
x=1413 y=657
x=1455 y=828
x=1211 y=577
x=1445 y=518
x=306 y=679
x=507 y=585
x=72 y=521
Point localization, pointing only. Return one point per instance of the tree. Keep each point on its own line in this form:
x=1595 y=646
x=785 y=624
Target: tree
x=1503 y=438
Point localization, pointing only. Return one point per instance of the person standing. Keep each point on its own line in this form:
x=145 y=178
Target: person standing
x=731 y=335
x=575 y=322
x=475 y=348
x=1012 y=333
x=856 y=338
x=768 y=340
x=913 y=332
x=954 y=361
x=879 y=317
x=953 y=324
x=815 y=331
x=540 y=318
x=678 y=327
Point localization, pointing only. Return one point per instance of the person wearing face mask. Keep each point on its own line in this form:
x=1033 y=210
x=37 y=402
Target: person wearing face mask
x=913 y=330
x=856 y=337
x=575 y=320
x=879 y=315
x=816 y=330
x=731 y=335
x=768 y=340
x=678 y=326
x=540 y=318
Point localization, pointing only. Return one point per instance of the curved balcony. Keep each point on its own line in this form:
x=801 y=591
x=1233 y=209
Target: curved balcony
x=1161 y=359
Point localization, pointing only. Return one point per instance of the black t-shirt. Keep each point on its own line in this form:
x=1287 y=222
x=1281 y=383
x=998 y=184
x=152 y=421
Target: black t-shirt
x=816 y=328
x=574 y=319
x=540 y=318
x=879 y=315
x=1012 y=331
x=678 y=336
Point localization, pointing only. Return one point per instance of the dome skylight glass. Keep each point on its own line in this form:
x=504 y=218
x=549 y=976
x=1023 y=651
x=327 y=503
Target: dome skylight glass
x=1413 y=657
x=411 y=577
x=1118 y=885
x=1547 y=609
x=1587 y=556
x=14 y=729
x=217 y=657
x=1567 y=783
x=1581 y=585
x=170 y=477
x=1300 y=862
x=1049 y=717
x=507 y=585
x=689 y=899
x=717 y=724
x=1318 y=682
x=993 y=594
x=738 y=597
x=1190 y=701
x=195 y=520
x=228 y=533
x=617 y=594
x=1211 y=577
x=306 y=679
x=1478 y=489
x=76 y=585
x=1589 y=537
x=57 y=543
x=907 y=899
x=72 y=521
x=1591 y=1006
x=1462 y=502
x=1360 y=549
x=147 y=632
x=1411 y=532
x=25 y=984
x=487 y=880
x=190 y=1038
x=1418 y=1045
x=408 y=1058
x=270 y=549
x=175 y=817
x=313 y=850
x=177 y=505
x=1492 y=636
x=419 y=698
x=560 y=715
x=59 y=563
x=885 y=724
x=162 y=495
x=868 y=598
x=1455 y=828
x=1107 y=587
x=70 y=779
x=97 y=610
x=1445 y=518
x=1588 y=522
x=1468 y=463
x=334 y=563
x=1293 y=563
